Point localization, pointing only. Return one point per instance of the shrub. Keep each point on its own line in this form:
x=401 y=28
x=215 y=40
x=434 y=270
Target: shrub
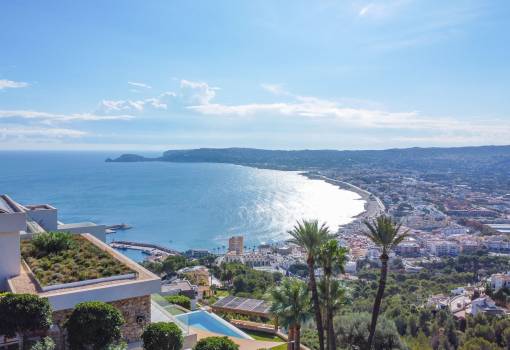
x=44 y=344
x=51 y=242
x=162 y=336
x=180 y=300
x=353 y=330
x=94 y=324
x=216 y=343
x=23 y=313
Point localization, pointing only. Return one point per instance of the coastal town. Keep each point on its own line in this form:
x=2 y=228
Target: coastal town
x=453 y=233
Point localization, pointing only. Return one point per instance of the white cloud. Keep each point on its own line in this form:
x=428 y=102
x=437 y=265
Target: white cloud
x=10 y=84
x=190 y=93
x=54 y=117
x=139 y=85
x=197 y=92
x=381 y=8
x=275 y=89
x=9 y=132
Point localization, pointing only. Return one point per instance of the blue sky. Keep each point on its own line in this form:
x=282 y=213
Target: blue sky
x=154 y=75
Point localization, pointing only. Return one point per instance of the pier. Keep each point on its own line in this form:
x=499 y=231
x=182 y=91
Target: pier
x=147 y=248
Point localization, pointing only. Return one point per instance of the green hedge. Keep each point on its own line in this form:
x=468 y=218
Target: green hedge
x=162 y=336
x=180 y=300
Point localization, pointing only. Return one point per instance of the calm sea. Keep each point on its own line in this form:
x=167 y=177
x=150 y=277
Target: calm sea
x=177 y=205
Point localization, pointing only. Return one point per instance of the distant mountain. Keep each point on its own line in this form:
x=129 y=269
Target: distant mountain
x=442 y=159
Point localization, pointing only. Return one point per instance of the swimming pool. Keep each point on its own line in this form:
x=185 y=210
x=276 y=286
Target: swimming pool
x=211 y=323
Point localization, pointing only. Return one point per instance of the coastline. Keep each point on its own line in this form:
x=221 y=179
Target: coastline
x=373 y=205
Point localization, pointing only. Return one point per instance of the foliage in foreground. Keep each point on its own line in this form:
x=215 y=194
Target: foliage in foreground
x=162 y=336
x=216 y=343
x=45 y=343
x=94 y=325
x=23 y=313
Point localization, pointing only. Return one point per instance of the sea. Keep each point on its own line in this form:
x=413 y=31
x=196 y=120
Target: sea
x=177 y=205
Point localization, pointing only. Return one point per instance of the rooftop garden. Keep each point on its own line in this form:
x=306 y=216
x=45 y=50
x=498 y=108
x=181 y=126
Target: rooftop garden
x=58 y=258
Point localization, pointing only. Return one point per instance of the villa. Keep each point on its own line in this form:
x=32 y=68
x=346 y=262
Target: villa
x=124 y=284
x=44 y=217
x=93 y=271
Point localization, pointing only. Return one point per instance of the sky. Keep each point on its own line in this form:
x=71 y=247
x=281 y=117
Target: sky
x=289 y=74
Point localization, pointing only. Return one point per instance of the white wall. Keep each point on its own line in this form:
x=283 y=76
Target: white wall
x=47 y=218
x=10 y=256
x=67 y=300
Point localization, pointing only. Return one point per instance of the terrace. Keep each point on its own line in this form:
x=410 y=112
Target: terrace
x=81 y=261
x=123 y=279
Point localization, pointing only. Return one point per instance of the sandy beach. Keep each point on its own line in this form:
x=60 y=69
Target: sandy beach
x=373 y=205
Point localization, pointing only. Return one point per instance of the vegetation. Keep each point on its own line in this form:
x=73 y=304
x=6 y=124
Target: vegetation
x=170 y=265
x=353 y=332
x=216 y=343
x=310 y=236
x=22 y=314
x=162 y=336
x=384 y=233
x=331 y=257
x=76 y=259
x=180 y=300
x=51 y=243
x=244 y=281
x=94 y=325
x=45 y=343
x=291 y=305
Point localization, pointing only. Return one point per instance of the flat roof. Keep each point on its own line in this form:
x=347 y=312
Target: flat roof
x=8 y=206
x=76 y=224
x=25 y=283
x=243 y=305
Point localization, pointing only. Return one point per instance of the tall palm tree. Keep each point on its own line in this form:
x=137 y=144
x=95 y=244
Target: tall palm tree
x=333 y=297
x=384 y=233
x=291 y=305
x=310 y=236
x=332 y=258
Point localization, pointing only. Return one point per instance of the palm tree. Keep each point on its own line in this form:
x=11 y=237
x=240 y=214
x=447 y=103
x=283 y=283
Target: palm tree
x=310 y=236
x=291 y=305
x=332 y=258
x=333 y=297
x=384 y=233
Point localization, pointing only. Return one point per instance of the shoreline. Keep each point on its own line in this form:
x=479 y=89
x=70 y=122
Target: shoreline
x=373 y=205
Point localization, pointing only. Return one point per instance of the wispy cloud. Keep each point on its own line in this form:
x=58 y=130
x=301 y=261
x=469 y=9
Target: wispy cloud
x=17 y=132
x=11 y=84
x=159 y=102
x=381 y=8
x=47 y=117
x=139 y=85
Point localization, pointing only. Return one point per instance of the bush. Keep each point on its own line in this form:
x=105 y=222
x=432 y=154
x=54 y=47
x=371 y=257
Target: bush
x=216 y=343
x=44 y=344
x=23 y=313
x=51 y=242
x=180 y=300
x=353 y=330
x=94 y=324
x=162 y=336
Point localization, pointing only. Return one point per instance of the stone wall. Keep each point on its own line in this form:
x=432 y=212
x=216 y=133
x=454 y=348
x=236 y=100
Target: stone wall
x=136 y=312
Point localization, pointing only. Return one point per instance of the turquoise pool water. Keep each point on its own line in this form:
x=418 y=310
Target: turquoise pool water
x=211 y=323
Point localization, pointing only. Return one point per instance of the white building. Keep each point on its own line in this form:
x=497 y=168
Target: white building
x=500 y=280
x=44 y=217
x=443 y=248
x=486 y=305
